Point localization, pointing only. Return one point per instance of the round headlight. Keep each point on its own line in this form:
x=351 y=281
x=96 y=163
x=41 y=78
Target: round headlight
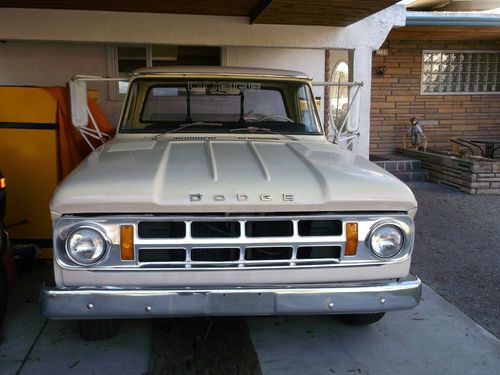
x=386 y=241
x=86 y=245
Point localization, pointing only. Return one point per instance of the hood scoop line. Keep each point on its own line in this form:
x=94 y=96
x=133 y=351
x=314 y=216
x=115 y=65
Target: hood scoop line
x=260 y=161
x=314 y=170
x=211 y=159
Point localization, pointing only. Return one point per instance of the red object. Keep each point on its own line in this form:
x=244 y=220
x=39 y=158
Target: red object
x=72 y=147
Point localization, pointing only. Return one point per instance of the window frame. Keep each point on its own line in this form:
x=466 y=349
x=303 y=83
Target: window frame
x=112 y=51
x=477 y=51
x=114 y=93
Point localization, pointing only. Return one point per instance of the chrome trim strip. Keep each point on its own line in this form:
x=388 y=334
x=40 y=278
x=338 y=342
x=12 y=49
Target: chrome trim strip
x=273 y=300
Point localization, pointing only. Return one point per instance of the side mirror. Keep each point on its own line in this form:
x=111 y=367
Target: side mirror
x=78 y=96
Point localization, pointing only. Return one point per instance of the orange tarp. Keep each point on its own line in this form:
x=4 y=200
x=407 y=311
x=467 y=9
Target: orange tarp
x=72 y=146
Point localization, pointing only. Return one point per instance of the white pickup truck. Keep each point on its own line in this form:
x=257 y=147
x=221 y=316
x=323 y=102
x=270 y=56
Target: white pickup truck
x=221 y=195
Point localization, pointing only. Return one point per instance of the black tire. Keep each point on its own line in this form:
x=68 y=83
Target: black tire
x=361 y=319
x=98 y=329
x=4 y=292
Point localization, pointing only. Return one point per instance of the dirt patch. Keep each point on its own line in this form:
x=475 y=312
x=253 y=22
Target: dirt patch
x=203 y=346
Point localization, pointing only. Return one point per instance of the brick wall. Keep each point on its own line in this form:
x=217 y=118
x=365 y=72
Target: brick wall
x=396 y=98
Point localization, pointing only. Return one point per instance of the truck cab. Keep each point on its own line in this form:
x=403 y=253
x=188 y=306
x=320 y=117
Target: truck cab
x=221 y=195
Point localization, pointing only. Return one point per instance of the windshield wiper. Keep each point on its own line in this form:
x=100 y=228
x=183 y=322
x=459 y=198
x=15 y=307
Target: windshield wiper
x=187 y=125
x=255 y=129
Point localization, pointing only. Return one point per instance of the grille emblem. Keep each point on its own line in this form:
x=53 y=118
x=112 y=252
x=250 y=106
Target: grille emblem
x=243 y=197
x=195 y=197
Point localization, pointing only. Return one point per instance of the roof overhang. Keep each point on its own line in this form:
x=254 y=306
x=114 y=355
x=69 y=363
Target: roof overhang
x=448 y=26
x=286 y=12
x=474 y=19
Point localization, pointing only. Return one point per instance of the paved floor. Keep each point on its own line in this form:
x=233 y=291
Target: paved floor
x=457 y=249
x=435 y=338
x=456 y=253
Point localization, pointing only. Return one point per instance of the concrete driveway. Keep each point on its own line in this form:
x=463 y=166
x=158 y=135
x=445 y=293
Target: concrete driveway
x=434 y=338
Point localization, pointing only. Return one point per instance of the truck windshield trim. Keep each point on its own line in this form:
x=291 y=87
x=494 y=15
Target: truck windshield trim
x=285 y=107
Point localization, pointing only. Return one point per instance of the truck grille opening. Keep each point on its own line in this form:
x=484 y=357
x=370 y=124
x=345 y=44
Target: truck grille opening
x=162 y=229
x=320 y=227
x=215 y=229
x=269 y=228
x=215 y=254
x=268 y=253
x=162 y=255
x=318 y=252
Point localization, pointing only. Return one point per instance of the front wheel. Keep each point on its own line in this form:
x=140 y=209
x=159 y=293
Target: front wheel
x=361 y=319
x=98 y=329
x=3 y=292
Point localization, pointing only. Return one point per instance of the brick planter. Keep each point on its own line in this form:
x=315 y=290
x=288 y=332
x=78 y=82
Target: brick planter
x=474 y=175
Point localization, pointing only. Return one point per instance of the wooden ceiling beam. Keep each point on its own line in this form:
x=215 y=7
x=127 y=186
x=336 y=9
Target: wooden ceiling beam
x=258 y=10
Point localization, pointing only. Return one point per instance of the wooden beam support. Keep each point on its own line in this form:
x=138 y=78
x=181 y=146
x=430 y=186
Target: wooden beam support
x=258 y=10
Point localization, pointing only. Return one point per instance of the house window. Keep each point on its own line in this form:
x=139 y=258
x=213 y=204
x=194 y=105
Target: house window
x=123 y=60
x=460 y=72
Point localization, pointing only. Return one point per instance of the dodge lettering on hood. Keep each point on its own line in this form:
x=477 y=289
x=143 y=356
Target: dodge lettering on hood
x=221 y=195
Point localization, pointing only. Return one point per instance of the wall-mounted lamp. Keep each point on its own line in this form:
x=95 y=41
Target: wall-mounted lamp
x=380 y=71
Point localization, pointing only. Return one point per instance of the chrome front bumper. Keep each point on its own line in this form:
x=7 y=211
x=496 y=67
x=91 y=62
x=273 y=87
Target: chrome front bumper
x=337 y=298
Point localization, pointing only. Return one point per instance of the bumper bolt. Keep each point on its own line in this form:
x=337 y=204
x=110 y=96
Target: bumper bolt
x=331 y=305
x=90 y=306
x=382 y=301
x=148 y=308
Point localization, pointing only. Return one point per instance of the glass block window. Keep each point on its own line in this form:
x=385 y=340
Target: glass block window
x=454 y=72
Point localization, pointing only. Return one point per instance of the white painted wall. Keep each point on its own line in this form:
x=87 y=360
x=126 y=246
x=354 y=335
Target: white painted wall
x=125 y=27
x=53 y=64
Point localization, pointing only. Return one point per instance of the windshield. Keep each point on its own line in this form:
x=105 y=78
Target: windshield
x=205 y=106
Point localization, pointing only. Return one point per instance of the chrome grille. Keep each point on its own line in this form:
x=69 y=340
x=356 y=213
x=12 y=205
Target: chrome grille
x=233 y=240
x=237 y=242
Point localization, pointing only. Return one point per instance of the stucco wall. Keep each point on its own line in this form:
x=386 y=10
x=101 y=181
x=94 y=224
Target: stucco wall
x=51 y=64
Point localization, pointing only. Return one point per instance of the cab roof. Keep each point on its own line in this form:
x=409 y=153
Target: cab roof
x=219 y=71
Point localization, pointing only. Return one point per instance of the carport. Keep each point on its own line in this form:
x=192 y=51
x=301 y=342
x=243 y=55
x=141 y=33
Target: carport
x=44 y=43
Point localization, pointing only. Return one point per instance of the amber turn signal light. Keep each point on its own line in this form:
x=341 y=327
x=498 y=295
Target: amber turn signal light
x=3 y=184
x=127 y=242
x=352 y=238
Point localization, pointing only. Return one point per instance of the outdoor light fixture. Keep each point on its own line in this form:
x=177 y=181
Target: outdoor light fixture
x=380 y=71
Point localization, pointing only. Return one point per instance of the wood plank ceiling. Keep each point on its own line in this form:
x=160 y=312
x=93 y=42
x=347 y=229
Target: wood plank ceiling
x=290 y=12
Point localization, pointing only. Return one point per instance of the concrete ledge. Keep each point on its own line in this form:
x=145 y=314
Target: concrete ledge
x=473 y=175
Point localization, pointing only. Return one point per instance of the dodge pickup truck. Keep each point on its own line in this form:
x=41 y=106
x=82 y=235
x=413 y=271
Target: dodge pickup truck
x=221 y=195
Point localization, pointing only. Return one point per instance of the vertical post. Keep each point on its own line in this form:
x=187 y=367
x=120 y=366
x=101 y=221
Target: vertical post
x=326 y=100
x=362 y=71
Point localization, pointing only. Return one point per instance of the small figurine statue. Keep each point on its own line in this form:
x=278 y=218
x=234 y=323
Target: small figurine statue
x=416 y=134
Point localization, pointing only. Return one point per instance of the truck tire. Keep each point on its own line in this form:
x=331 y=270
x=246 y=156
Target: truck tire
x=3 y=292
x=361 y=319
x=98 y=329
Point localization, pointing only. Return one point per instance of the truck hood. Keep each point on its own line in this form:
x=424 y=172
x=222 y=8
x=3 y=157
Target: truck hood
x=189 y=174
